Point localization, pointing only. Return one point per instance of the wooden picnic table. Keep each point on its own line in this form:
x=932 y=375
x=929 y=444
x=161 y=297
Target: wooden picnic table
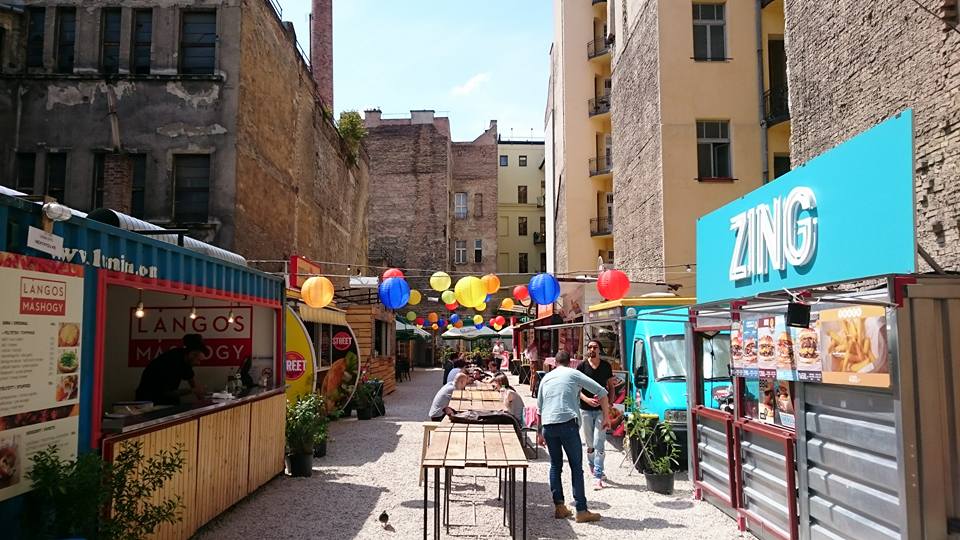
x=459 y=446
x=476 y=400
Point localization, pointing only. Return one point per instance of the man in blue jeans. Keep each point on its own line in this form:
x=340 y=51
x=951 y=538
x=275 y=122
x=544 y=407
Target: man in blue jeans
x=558 y=400
x=591 y=417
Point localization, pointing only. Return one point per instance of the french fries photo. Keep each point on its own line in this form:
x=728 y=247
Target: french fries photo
x=850 y=346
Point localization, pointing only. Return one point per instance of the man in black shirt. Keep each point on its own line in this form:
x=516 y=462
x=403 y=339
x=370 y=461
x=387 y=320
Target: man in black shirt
x=591 y=416
x=161 y=379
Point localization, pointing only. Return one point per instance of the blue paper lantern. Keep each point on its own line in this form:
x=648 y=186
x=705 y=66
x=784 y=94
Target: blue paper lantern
x=394 y=292
x=454 y=319
x=544 y=289
x=442 y=323
x=478 y=326
x=489 y=296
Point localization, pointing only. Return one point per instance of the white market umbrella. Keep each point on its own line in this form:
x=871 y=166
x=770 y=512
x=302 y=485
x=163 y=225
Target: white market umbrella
x=468 y=334
x=506 y=332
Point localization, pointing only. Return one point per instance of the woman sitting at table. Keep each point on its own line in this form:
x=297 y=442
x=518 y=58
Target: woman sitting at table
x=512 y=402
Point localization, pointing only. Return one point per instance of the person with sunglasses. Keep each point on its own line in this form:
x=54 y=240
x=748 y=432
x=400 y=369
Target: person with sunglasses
x=591 y=415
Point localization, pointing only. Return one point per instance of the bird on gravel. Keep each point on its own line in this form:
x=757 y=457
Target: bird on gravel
x=384 y=518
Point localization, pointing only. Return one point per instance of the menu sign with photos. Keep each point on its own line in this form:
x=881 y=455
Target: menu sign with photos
x=786 y=413
x=786 y=363
x=40 y=342
x=766 y=348
x=806 y=351
x=749 y=360
x=854 y=346
x=736 y=349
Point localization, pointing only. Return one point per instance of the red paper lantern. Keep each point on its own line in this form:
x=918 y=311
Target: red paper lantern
x=613 y=284
x=452 y=307
x=393 y=272
x=420 y=321
x=521 y=293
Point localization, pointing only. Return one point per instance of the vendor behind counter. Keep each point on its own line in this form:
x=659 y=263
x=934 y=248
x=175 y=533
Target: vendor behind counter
x=161 y=380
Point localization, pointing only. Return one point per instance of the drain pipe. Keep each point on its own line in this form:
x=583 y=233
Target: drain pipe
x=764 y=143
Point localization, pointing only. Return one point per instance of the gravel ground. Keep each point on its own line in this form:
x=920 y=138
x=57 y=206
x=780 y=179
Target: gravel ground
x=372 y=466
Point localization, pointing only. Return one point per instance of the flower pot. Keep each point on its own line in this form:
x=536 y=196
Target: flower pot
x=300 y=464
x=379 y=408
x=364 y=413
x=320 y=448
x=660 y=483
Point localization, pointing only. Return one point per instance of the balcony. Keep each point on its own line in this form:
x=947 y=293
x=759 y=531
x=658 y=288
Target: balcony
x=597 y=48
x=539 y=237
x=776 y=106
x=601 y=226
x=600 y=166
x=599 y=105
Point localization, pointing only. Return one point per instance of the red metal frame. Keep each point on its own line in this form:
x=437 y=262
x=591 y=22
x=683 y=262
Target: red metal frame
x=727 y=419
x=789 y=440
x=105 y=278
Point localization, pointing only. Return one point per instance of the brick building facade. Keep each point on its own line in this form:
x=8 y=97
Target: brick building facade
x=851 y=68
x=431 y=199
x=207 y=103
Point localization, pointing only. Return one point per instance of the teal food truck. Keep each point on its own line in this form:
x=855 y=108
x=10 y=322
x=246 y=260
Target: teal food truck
x=645 y=338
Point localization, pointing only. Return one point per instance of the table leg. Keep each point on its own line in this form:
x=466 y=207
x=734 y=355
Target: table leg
x=436 y=506
x=524 y=507
x=513 y=502
x=506 y=495
x=425 y=492
x=446 y=498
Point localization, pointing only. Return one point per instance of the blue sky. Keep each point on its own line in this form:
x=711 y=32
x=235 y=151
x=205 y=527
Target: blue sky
x=471 y=61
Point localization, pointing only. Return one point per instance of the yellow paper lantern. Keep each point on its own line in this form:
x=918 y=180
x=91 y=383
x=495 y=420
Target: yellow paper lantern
x=491 y=282
x=433 y=317
x=411 y=316
x=477 y=319
x=415 y=297
x=507 y=304
x=435 y=326
x=448 y=297
x=440 y=281
x=317 y=292
x=497 y=327
x=470 y=291
x=482 y=306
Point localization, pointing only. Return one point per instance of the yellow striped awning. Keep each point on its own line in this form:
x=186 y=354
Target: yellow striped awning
x=323 y=315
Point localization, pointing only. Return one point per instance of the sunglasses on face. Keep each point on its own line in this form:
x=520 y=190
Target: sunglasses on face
x=592 y=347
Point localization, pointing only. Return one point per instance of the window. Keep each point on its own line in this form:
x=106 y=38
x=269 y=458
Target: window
x=460 y=252
x=198 y=42
x=478 y=205
x=716 y=357
x=110 y=41
x=522 y=226
x=504 y=161
x=142 y=39
x=543 y=225
x=478 y=251
x=137 y=189
x=713 y=149
x=523 y=161
x=66 y=38
x=3 y=34
x=522 y=194
x=669 y=357
x=35 y=31
x=56 y=183
x=192 y=188
x=709 y=41
x=543 y=261
x=522 y=263
x=26 y=172
x=460 y=205
x=781 y=165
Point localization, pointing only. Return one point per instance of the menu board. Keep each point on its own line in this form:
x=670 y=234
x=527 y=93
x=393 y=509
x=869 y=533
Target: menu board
x=40 y=342
x=806 y=351
x=749 y=359
x=786 y=413
x=736 y=349
x=766 y=348
x=786 y=364
x=853 y=344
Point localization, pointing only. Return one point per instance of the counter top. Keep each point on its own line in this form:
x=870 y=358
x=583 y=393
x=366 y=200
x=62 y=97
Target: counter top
x=178 y=413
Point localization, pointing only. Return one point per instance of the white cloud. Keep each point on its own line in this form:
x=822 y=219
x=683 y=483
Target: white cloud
x=472 y=83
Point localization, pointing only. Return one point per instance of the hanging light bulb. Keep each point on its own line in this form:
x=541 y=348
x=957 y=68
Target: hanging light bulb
x=193 y=309
x=230 y=318
x=139 y=312
x=689 y=269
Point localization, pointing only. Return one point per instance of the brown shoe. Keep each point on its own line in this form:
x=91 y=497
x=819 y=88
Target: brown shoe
x=587 y=516
x=561 y=511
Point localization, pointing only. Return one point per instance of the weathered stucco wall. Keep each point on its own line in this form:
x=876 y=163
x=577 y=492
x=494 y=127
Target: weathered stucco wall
x=296 y=193
x=475 y=172
x=854 y=65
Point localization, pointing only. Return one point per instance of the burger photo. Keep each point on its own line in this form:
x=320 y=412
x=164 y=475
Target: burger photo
x=766 y=348
x=809 y=346
x=750 y=351
x=784 y=350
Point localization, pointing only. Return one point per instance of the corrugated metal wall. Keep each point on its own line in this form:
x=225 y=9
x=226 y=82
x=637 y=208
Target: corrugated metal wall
x=850 y=472
x=764 y=480
x=712 y=454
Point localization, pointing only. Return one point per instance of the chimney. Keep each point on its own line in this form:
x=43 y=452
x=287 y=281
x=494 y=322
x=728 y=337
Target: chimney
x=371 y=118
x=117 y=182
x=321 y=49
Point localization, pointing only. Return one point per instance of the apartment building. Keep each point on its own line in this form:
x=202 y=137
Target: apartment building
x=579 y=150
x=433 y=201
x=197 y=114
x=699 y=119
x=521 y=219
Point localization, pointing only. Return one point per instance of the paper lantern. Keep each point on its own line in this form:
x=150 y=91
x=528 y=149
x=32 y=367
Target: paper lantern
x=434 y=326
x=454 y=318
x=440 y=281
x=478 y=326
x=433 y=317
x=441 y=323
x=491 y=283
x=415 y=297
x=394 y=292
x=452 y=307
x=507 y=304
x=420 y=321
x=497 y=327
x=317 y=292
x=393 y=272
x=411 y=316
x=477 y=319
x=544 y=289
x=470 y=291
x=459 y=324
x=482 y=306
x=613 y=284
x=500 y=320
x=525 y=302
x=521 y=293
x=448 y=297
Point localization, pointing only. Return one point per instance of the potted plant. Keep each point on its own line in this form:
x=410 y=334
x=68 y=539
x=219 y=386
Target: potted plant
x=320 y=441
x=376 y=388
x=659 y=454
x=305 y=423
x=363 y=401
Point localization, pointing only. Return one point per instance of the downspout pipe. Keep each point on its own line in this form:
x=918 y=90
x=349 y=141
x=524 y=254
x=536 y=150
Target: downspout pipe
x=764 y=143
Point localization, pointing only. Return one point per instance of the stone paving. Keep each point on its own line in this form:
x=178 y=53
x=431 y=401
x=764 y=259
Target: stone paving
x=372 y=466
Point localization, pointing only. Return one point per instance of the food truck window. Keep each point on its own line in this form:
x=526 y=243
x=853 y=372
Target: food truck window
x=610 y=341
x=641 y=374
x=669 y=357
x=716 y=357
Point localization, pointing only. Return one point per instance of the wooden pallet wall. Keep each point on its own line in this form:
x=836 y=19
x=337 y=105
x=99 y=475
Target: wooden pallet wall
x=266 y=440
x=361 y=320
